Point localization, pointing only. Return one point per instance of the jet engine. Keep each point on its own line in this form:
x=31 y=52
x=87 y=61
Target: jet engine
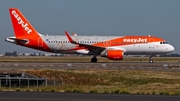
x=113 y=54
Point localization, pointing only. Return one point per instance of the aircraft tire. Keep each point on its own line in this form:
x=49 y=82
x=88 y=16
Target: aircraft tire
x=94 y=60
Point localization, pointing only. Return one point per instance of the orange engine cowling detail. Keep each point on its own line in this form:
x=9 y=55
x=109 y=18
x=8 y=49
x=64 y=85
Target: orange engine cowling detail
x=115 y=54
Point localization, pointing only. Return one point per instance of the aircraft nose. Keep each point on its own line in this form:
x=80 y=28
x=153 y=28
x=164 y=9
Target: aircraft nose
x=171 y=48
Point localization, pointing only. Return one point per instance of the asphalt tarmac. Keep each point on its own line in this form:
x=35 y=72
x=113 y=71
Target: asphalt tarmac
x=52 y=96
x=110 y=66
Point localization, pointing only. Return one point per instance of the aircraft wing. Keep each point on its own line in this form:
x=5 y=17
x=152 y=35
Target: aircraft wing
x=92 y=48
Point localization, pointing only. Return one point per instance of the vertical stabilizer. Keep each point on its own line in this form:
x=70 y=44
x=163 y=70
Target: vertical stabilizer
x=21 y=25
x=25 y=34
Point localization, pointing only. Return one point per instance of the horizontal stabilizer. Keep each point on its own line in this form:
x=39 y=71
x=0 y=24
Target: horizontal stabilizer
x=16 y=40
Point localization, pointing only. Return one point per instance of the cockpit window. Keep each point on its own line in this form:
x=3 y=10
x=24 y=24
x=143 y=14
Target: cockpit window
x=163 y=43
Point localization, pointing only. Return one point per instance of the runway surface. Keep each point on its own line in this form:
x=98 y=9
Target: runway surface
x=50 y=96
x=110 y=66
x=53 y=96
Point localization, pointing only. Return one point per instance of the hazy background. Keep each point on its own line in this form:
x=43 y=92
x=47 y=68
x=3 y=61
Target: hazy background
x=159 y=18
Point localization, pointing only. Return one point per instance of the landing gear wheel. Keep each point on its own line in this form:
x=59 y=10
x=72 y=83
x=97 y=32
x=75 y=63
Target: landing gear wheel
x=94 y=60
x=150 y=60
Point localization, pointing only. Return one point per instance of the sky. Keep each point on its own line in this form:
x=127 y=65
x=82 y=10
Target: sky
x=159 y=18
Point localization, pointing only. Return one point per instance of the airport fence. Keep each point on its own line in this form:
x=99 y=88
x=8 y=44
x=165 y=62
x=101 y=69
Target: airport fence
x=22 y=79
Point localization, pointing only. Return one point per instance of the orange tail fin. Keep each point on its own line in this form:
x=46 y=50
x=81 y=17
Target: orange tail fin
x=25 y=34
x=21 y=25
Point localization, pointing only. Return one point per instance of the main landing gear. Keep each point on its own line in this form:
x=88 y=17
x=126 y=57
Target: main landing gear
x=150 y=59
x=94 y=59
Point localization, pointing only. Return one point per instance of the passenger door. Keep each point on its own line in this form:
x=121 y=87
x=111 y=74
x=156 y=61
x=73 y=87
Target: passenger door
x=151 y=43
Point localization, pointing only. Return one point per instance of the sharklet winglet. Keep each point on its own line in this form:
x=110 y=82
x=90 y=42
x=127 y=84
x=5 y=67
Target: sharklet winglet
x=69 y=38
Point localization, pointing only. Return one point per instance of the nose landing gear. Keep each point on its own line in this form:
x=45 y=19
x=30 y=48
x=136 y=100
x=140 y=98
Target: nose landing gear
x=150 y=59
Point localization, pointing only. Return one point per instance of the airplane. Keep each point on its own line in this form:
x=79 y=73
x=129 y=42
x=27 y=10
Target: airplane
x=111 y=47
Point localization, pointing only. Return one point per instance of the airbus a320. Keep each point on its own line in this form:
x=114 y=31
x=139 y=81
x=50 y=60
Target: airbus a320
x=111 y=47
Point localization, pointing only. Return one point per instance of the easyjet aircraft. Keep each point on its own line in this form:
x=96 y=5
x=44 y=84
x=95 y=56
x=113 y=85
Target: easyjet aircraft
x=112 y=47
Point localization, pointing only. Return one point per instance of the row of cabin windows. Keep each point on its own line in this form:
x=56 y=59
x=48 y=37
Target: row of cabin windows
x=77 y=42
x=91 y=42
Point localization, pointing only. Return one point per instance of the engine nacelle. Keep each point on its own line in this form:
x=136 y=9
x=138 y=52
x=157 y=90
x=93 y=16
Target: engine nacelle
x=113 y=54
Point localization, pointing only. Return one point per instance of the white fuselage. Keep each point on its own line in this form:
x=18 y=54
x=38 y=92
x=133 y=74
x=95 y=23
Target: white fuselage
x=60 y=44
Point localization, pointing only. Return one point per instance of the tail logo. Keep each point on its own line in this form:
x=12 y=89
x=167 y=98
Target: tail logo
x=21 y=22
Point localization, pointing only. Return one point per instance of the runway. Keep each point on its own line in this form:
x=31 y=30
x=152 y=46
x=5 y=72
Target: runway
x=109 y=66
x=51 y=96
x=58 y=96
